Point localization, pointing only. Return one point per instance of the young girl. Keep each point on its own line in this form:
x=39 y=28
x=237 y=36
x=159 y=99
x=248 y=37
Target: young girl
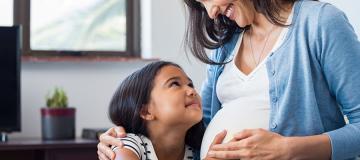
x=161 y=110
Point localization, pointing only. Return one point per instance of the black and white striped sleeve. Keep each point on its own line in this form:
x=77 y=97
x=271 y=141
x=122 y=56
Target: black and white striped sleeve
x=133 y=143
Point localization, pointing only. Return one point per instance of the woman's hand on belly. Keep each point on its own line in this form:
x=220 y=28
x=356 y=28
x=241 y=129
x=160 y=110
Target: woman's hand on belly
x=251 y=144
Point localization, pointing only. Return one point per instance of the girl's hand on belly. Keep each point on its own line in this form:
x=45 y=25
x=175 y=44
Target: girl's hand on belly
x=251 y=144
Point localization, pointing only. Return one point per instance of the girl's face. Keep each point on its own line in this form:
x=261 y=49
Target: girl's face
x=174 y=101
x=240 y=11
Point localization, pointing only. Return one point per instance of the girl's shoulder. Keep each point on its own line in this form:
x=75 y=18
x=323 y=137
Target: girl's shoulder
x=143 y=148
x=136 y=143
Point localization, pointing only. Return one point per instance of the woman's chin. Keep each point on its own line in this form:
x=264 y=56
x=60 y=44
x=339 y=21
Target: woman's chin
x=241 y=24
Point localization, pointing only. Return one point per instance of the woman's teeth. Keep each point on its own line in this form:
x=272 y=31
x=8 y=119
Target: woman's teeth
x=229 y=11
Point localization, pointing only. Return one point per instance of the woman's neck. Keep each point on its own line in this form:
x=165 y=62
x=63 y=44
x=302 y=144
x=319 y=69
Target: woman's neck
x=261 y=26
x=169 y=143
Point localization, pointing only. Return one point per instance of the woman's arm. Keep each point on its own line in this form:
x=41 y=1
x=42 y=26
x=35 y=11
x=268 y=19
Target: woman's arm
x=206 y=95
x=209 y=104
x=339 y=49
x=309 y=147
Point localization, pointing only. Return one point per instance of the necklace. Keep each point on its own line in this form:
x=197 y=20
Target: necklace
x=262 y=50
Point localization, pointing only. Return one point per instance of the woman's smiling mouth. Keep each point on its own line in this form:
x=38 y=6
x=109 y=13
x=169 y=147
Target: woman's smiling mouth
x=229 y=12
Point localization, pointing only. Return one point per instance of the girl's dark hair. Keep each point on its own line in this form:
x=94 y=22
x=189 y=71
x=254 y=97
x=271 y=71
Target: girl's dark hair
x=203 y=32
x=134 y=93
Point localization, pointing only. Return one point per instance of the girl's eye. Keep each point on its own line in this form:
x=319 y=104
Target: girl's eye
x=191 y=85
x=174 y=84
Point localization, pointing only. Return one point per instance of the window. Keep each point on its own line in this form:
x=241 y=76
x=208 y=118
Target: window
x=6 y=12
x=79 y=27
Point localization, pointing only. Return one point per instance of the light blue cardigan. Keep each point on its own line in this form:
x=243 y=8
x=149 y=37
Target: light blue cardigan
x=314 y=79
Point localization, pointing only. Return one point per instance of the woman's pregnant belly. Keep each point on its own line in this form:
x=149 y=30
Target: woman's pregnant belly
x=233 y=119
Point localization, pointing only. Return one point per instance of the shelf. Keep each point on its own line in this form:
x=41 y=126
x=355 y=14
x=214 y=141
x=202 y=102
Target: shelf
x=37 y=149
x=83 y=59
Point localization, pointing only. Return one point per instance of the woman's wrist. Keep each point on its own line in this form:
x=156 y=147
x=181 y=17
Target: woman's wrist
x=287 y=148
x=308 y=147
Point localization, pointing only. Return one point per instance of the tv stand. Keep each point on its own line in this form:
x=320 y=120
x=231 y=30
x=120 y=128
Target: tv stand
x=4 y=137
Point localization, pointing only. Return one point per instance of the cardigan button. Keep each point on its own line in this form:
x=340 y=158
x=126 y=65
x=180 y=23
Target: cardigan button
x=273 y=125
x=274 y=99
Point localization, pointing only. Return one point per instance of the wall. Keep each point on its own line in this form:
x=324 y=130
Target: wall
x=90 y=85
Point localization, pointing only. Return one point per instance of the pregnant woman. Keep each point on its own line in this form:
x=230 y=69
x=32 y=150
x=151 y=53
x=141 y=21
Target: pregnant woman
x=281 y=79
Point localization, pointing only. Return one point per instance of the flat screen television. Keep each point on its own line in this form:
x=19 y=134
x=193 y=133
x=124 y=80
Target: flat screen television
x=10 y=110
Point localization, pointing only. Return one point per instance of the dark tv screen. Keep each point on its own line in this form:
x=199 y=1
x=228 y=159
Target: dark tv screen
x=10 y=79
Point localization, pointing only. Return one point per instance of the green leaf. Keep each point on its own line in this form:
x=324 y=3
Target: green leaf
x=58 y=99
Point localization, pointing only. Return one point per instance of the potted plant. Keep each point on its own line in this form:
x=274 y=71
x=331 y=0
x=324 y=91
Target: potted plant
x=57 y=119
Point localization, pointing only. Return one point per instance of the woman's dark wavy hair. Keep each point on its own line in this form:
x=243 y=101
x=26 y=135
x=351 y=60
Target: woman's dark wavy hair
x=203 y=32
x=134 y=93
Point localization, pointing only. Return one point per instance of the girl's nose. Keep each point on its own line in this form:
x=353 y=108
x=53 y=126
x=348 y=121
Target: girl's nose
x=191 y=92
